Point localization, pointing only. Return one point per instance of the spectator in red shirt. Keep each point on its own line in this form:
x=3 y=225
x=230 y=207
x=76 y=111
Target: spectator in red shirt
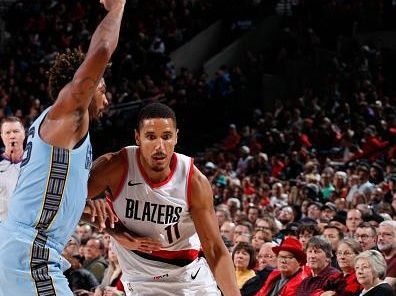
x=284 y=280
x=319 y=255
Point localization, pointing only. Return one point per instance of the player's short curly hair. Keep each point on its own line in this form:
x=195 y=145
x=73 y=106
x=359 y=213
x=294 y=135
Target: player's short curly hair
x=63 y=70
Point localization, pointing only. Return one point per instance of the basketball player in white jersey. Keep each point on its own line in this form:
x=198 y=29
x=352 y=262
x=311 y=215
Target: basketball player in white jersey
x=159 y=194
x=13 y=134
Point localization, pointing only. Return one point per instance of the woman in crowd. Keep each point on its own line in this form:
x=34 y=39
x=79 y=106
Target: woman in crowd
x=346 y=284
x=258 y=239
x=370 y=268
x=244 y=259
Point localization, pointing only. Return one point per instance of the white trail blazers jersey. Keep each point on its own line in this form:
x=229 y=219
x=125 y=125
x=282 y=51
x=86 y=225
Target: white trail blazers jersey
x=158 y=210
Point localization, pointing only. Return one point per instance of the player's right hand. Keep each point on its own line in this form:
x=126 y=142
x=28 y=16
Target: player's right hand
x=111 y=4
x=137 y=243
x=99 y=209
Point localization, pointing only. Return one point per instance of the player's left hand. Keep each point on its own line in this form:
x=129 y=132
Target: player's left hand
x=133 y=242
x=100 y=209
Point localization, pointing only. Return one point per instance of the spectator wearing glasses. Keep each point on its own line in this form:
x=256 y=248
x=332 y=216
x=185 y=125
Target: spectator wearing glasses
x=387 y=245
x=266 y=259
x=366 y=235
x=370 y=267
x=346 y=284
x=94 y=260
x=284 y=280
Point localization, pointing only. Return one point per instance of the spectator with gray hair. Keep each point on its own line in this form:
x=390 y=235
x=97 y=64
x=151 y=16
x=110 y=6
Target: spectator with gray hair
x=387 y=245
x=319 y=255
x=346 y=284
x=370 y=268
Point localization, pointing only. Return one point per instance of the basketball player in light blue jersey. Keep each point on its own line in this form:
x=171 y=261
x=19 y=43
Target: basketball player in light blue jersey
x=52 y=187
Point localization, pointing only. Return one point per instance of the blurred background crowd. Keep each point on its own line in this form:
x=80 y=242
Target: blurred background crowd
x=297 y=138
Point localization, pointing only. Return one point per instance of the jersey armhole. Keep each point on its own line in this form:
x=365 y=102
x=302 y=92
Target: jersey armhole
x=190 y=174
x=125 y=162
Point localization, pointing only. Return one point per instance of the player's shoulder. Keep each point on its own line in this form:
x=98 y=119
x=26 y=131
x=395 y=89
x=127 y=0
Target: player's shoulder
x=198 y=179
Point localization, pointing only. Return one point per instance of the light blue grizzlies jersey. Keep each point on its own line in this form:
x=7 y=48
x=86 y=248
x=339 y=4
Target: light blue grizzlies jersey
x=52 y=189
x=45 y=208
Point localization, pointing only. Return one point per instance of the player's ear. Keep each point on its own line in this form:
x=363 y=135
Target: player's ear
x=137 y=140
x=177 y=133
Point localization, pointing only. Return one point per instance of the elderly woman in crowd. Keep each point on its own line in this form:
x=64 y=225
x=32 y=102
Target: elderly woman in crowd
x=370 y=268
x=346 y=284
x=244 y=259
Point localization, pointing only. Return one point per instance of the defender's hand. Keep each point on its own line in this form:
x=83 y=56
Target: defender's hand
x=100 y=209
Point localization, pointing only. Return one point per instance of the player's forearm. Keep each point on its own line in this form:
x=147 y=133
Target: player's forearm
x=223 y=270
x=107 y=33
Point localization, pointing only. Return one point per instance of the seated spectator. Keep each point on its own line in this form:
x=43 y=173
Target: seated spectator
x=366 y=235
x=112 y=275
x=387 y=245
x=258 y=239
x=306 y=231
x=287 y=277
x=354 y=218
x=334 y=235
x=232 y=140
x=329 y=211
x=346 y=284
x=319 y=255
x=266 y=259
x=242 y=229
x=93 y=258
x=244 y=259
x=79 y=278
x=227 y=230
x=370 y=268
x=286 y=215
x=268 y=226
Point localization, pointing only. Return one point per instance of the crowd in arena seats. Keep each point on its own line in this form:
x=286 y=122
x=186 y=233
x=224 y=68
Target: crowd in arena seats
x=305 y=193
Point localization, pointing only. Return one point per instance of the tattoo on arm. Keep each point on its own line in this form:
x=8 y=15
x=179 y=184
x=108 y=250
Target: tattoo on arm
x=85 y=89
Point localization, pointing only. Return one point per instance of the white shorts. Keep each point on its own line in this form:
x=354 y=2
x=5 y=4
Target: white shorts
x=192 y=279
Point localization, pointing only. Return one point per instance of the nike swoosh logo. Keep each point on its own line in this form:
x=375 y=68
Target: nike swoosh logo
x=195 y=275
x=130 y=183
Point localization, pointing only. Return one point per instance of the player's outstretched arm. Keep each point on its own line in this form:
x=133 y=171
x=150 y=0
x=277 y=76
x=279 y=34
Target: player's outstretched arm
x=216 y=253
x=76 y=95
x=67 y=121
